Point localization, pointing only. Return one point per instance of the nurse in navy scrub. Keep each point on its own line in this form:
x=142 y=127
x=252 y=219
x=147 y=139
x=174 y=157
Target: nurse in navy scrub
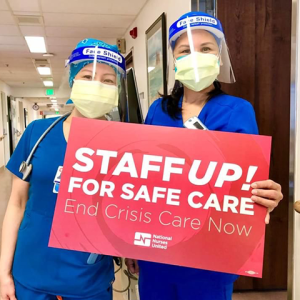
x=29 y=269
x=201 y=63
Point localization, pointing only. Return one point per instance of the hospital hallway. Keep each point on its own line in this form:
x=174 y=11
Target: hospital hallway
x=5 y=187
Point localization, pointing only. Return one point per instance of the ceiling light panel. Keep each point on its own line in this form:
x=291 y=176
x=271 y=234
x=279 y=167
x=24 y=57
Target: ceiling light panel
x=48 y=83
x=44 y=70
x=36 y=44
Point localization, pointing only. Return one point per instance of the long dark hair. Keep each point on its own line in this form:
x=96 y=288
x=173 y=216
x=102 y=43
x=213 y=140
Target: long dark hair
x=170 y=103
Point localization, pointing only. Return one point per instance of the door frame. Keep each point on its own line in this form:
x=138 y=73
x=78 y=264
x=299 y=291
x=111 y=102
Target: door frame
x=294 y=192
x=10 y=126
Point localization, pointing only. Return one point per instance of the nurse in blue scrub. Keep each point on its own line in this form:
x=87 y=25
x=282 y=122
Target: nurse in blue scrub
x=29 y=269
x=201 y=63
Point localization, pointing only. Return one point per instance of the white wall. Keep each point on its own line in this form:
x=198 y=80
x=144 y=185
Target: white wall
x=39 y=92
x=4 y=153
x=150 y=12
x=2 y=158
x=18 y=122
x=5 y=88
x=32 y=114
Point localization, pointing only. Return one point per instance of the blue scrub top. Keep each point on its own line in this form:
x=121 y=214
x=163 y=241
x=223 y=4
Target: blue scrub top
x=221 y=113
x=36 y=266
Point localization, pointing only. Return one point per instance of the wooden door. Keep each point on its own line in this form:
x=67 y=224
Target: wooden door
x=258 y=34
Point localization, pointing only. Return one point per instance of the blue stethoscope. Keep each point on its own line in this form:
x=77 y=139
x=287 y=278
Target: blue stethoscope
x=26 y=166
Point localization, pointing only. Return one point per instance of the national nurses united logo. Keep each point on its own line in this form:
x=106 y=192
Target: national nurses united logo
x=155 y=241
x=142 y=239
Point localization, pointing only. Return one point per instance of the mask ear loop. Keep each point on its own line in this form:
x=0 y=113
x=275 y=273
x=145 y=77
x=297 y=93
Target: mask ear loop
x=192 y=49
x=95 y=63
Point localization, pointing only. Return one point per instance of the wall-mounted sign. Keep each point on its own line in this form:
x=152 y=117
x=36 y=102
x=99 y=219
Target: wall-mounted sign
x=49 y=92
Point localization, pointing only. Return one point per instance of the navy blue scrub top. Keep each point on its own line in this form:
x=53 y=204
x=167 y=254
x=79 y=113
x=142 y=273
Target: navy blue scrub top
x=36 y=266
x=221 y=113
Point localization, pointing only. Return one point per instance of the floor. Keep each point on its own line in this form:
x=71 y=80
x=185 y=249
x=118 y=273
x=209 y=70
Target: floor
x=5 y=186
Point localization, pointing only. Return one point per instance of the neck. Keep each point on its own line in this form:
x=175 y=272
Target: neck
x=193 y=97
x=75 y=113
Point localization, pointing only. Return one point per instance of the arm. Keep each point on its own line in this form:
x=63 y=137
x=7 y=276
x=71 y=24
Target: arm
x=12 y=220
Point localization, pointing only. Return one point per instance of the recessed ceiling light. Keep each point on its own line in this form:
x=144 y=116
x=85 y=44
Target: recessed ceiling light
x=48 y=83
x=44 y=70
x=36 y=44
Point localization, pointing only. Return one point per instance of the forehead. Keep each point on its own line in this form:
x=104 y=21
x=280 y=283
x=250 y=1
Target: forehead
x=198 y=36
x=100 y=67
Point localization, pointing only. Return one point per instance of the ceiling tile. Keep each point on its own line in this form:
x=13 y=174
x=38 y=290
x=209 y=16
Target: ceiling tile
x=6 y=18
x=82 y=33
x=13 y=48
x=87 y=20
x=9 y=30
x=32 y=30
x=116 y=7
x=13 y=54
x=37 y=56
x=27 y=13
x=60 y=49
x=24 y=5
x=4 y=71
x=56 y=41
x=12 y=40
x=29 y=84
x=3 y=5
x=16 y=61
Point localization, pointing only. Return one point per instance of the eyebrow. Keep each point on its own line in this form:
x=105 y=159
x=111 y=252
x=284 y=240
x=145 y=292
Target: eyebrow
x=111 y=74
x=204 y=44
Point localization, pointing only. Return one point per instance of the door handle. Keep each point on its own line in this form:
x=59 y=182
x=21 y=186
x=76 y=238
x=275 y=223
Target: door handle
x=297 y=206
x=2 y=138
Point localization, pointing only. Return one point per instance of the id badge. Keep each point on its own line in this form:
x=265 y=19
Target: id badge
x=58 y=175
x=56 y=188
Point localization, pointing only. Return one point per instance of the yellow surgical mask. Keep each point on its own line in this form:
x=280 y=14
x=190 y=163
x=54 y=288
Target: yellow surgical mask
x=94 y=99
x=197 y=71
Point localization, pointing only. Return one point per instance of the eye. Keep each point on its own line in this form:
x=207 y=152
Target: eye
x=186 y=51
x=108 y=81
x=206 y=49
x=87 y=77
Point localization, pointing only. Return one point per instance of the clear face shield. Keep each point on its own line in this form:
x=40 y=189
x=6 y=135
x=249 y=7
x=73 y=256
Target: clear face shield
x=200 y=53
x=96 y=76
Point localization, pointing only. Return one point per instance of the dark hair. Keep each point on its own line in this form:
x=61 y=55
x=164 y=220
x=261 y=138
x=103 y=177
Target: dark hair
x=170 y=103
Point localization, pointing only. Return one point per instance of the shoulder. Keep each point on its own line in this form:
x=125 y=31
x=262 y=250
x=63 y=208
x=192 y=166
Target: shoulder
x=231 y=114
x=36 y=128
x=154 y=110
x=41 y=124
x=157 y=104
x=230 y=102
x=44 y=122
